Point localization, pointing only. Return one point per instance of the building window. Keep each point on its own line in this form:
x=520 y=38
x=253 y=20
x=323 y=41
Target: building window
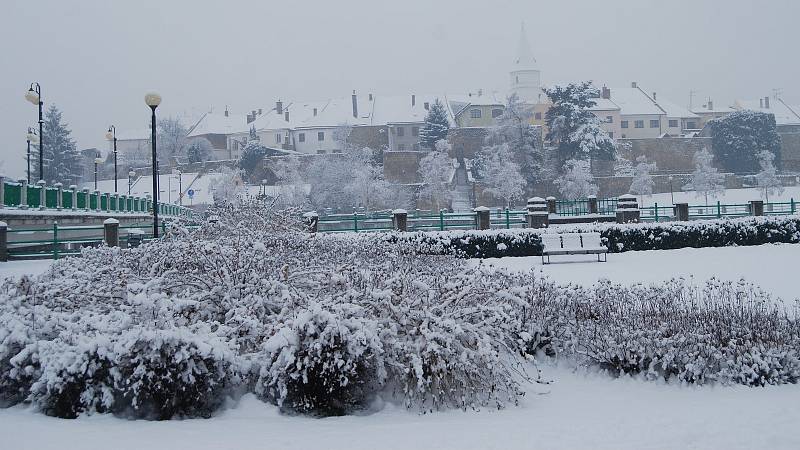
x=320 y=135
x=673 y=123
x=401 y=131
x=638 y=123
x=610 y=119
x=497 y=112
x=415 y=131
x=301 y=137
x=691 y=125
x=337 y=151
x=475 y=113
x=278 y=138
x=623 y=124
x=320 y=152
x=401 y=147
x=538 y=116
x=611 y=134
x=415 y=147
x=655 y=123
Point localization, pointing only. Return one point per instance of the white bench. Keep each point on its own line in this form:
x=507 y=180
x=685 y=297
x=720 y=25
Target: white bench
x=573 y=244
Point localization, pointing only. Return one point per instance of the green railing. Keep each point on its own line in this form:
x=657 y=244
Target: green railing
x=657 y=213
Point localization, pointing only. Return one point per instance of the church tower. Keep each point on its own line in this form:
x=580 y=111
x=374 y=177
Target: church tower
x=525 y=75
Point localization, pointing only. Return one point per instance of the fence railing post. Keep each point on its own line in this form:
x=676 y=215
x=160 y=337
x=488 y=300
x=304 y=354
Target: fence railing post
x=3 y=241
x=42 y=194
x=719 y=209
x=441 y=220
x=508 y=219
x=23 y=193
x=791 y=203
x=400 y=220
x=355 y=222
x=655 y=210
x=74 y=191
x=482 y=218
x=59 y=196
x=55 y=240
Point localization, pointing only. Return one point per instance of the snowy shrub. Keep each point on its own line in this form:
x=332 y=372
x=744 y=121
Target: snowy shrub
x=323 y=362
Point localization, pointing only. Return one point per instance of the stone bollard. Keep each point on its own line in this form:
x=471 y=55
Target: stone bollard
x=3 y=241
x=122 y=203
x=59 y=196
x=2 y=192
x=111 y=232
x=97 y=197
x=592 y=201
x=42 y=194
x=400 y=219
x=311 y=220
x=23 y=193
x=108 y=201
x=482 y=219
x=628 y=209
x=757 y=207
x=682 y=212
x=74 y=190
x=86 y=198
x=551 y=205
x=538 y=215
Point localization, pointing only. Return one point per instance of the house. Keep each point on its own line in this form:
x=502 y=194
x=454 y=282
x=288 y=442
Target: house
x=404 y=117
x=609 y=114
x=324 y=130
x=133 y=146
x=640 y=116
x=708 y=112
x=476 y=109
x=785 y=115
x=216 y=128
x=678 y=119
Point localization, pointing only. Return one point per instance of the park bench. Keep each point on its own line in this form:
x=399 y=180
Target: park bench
x=573 y=244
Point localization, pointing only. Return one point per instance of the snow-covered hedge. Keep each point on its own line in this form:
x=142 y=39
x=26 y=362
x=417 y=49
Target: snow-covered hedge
x=325 y=324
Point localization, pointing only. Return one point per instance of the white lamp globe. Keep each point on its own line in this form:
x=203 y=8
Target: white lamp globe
x=110 y=136
x=152 y=99
x=131 y=174
x=33 y=137
x=32 y=96
x=98 y=160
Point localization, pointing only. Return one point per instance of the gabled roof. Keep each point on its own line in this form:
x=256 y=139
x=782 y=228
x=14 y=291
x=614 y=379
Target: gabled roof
x=633 y=101
x=339 y=111
x=784 y=115
x=219 y=123
x=713 y=110
x=604 y=104
x=398 y=109
x=674 y=110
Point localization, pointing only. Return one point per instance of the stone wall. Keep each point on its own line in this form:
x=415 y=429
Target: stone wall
x=401 y=167
x=466 y=142
x=790 y=151
x=672 y=155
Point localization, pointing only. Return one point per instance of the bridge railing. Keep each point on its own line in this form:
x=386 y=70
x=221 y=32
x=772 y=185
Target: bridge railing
x=22 y=196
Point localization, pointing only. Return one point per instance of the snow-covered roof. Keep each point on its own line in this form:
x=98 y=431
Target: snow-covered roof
x=219 y=123
x=604 y=104
x=674 y=110
x=476 y=99
x=704 y=109
x=339 y=111
x=784 y=115
x=398 y=109
x=633 y=101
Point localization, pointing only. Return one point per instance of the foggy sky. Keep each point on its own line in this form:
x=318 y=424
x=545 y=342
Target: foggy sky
x=96 y=59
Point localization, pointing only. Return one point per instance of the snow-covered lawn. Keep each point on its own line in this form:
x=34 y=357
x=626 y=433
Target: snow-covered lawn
x=577 y=411
x=728 y=196
x=18 y=268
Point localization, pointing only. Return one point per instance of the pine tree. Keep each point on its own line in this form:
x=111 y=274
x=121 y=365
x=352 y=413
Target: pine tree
x=705 y=178
x=577 y=181
x=62 y=162
x=740 y=137
x=573 y=128
x=436 y=126
x=642 y=183
x=501 y=176
x=514 y=128
x=767 y=178
x=251 y=156
x=199 y=150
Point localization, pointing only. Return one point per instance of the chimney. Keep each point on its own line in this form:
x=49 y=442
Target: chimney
x=370 y=97
x=766 y=102
x=250 y=118
x=761 y=103
x=315 y=112
x=355 y=104
x=654 y=95
x=226 y=111
x=710 y=105
x=634 y=84
x=413 y=100
x=286 y=115
x=606 y=94
x=279 y=107
x=253 y=112
x=260 y=111
x=427 y=106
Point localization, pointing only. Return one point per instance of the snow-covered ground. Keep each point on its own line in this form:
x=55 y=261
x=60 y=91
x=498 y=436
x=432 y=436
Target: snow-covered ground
x=728 y=196
x=769 y=266
x=576 y=411
x=16 y=269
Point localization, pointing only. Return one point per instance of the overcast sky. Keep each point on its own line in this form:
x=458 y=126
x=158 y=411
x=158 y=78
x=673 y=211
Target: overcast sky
x=96 y=59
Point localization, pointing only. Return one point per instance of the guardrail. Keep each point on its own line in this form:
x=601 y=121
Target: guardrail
x=719 y=210
x=22 y=196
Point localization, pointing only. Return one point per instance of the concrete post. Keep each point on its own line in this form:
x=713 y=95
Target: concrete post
x=122 y=203
x=23 y=193
x=482 y=217
x=146 y=200
x=42 y=194
x=74 y=190
x=592 y=200
x=400 y=219
x=3 y=241
x=551 y=205
x=628 y=209
x=111 y=232
x=757 y=207
x=59 y=196
x=312 y=221
x=538 y=215
x=2 y=192
x=97 y=196
x=682 y=212
x=87 y=204
x=108 y=201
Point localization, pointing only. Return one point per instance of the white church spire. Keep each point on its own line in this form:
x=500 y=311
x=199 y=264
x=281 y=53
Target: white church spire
x=525 y=59
x=525 y=74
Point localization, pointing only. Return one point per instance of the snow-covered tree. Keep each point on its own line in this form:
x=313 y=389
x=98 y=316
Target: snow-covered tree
x=435 y=173
x=341 y=136
x=226 y=186
x=62 y=161
x=199 y=150
x=251 y=157
x=706 y=180
x=642 y=183
x=500 y=174
x=741 y=136
x=172 y=140
x=514 y=128
x=767 y=178
x=577 y=181
x=289 y=180
x=573 y=128
x=436 y=126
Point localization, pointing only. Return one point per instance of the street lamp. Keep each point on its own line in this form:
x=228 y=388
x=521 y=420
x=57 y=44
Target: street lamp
x=180 y=187
x=153 y=100
x=97 y=161
x=34 y=95
x=671 y=195
x=131 y=174
x=31 y=137
x=112 y=136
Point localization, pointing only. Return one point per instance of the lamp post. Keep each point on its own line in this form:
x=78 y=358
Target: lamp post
x=131 y=174
x=671 y=195
x=97 y=160
x=32 y=137
x=180 y=187
x=153 y=100
x=34 y=95
x=112 y=136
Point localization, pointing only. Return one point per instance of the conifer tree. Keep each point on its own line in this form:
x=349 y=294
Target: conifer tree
x=62 y=162
x=436 y=126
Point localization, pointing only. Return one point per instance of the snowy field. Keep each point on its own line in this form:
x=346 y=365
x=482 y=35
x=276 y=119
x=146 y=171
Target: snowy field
x=577 y=410
x=728 y=196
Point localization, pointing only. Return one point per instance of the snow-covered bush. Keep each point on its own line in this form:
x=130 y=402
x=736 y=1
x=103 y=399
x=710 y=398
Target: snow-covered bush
x=324 y=362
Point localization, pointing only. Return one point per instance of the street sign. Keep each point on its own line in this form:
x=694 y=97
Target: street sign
x=190 y=193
